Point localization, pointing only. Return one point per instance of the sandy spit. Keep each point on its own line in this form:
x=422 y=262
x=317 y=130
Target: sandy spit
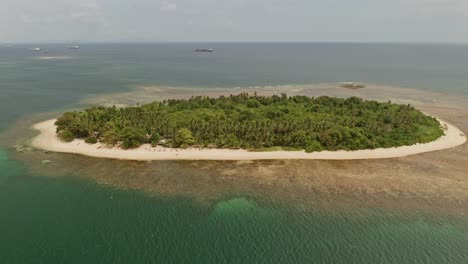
x=48 y=140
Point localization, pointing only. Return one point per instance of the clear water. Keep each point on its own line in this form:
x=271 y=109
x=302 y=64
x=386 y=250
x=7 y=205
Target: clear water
x=72 y=220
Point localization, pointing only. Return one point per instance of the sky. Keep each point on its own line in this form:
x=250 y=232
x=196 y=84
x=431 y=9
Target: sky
x=234 y=20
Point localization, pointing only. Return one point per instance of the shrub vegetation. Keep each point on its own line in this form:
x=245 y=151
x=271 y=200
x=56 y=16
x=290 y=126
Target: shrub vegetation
x=254 y=122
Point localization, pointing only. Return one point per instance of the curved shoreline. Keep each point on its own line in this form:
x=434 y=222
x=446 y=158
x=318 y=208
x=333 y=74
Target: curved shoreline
x=48 y=140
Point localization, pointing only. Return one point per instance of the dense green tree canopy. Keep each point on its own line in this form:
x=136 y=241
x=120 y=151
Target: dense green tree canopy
x=255 y=122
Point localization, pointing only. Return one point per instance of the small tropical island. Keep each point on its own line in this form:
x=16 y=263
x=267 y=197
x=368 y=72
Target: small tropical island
x=244 y=123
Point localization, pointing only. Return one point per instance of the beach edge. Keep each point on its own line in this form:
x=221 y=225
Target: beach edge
x=48 y=140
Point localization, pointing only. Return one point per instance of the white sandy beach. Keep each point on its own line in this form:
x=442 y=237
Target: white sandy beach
x=48 y=140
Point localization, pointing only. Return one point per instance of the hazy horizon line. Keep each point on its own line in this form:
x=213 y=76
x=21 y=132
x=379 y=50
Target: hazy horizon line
x=231 y=41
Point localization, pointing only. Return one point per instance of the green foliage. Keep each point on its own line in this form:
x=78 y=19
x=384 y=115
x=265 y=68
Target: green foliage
x=312 y=146
x=154 y=138
x=66 y=135
x=255 y=122
x=132 y=137
x=111 y=137
x=91 y=140
x=183 y=138
x=232 y=141
x=271 y=149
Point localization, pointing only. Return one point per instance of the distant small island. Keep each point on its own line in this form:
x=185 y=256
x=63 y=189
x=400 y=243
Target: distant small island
x=257 y=123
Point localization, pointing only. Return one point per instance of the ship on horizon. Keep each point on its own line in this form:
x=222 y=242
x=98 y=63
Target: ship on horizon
x=203 y=50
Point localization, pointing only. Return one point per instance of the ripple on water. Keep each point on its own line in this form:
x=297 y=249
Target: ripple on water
x=3 y=156
x=8 y=168
x=234 y=206
x=241 y=207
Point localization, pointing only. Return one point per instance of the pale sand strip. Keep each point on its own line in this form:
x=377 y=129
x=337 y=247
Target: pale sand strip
x=48 y=140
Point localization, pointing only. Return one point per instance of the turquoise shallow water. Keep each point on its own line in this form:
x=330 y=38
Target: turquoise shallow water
x=69 y=220
x=73 y=220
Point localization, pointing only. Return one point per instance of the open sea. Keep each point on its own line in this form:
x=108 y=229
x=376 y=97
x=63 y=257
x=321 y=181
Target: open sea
x=62 y=217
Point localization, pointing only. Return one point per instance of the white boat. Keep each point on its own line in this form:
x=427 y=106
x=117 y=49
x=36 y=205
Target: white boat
x=74 y=47
x=35 y=49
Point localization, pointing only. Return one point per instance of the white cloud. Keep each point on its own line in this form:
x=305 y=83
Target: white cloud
x=446 y=7
x=383 y=20
x=168 y=7
x=89 y=4
x=87 y=11
x=444 y=3
x=31 y=19
x=26 y=19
